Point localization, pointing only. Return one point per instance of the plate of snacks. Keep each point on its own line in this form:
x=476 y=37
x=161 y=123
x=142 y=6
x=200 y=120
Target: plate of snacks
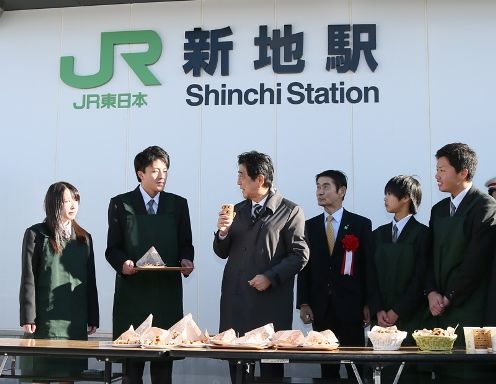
x=386 y=338
x=437 y=339
x=129 y=339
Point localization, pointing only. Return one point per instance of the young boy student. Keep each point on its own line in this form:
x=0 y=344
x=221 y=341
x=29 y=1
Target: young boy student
x=396 y=272
x=397 y=269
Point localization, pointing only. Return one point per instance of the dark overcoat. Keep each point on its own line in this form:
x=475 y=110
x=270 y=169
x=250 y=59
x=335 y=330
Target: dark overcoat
x=273 y=245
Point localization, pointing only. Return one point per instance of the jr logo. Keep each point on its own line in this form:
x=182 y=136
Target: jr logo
x=137 y=61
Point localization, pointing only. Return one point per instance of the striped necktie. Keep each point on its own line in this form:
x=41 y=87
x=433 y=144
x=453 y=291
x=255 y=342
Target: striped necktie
x=395 y=233
x=452 y=208
x=257 y=208
x=150 y=209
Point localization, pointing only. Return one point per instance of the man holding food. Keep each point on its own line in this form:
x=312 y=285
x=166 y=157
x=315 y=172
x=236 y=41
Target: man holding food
x=463 y=234
x=138 y=220
x=264 y=244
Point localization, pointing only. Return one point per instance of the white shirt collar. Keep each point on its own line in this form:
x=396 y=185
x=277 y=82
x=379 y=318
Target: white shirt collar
x=147 y=198
x=458 y=199
x=336 y=216
x=401 y=224
x=261 y=202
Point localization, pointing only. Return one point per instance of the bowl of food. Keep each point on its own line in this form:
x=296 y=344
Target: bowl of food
x=386 y=338
x=437 y=339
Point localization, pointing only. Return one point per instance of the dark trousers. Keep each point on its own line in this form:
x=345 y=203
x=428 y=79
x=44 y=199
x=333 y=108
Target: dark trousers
x=266 y=370
x=349 y=335
x=465 y=373
x=160 y=372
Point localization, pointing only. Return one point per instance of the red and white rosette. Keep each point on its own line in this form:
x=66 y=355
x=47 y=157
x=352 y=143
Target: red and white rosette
x=350 y=244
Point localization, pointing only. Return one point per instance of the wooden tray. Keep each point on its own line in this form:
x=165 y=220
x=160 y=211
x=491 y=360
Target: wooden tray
x=137 y=345
x=197 y=345
x=162 y=347
x=306 y=347
x=238 y=346
x=158 y=268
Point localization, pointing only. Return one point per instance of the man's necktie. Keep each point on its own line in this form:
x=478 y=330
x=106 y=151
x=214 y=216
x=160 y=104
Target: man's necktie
x=452 y=208
x=395 y=233
x=330 y=234
x=257 y=208
x=150 y=209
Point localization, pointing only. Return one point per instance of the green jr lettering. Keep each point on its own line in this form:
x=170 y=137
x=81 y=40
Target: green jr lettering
x=137 y=61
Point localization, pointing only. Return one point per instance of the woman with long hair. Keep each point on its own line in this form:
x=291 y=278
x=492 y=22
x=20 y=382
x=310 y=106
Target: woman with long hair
x=58 y=295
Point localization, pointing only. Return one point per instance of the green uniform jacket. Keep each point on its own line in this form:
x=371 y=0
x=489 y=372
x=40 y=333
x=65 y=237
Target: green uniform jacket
x=397 y=273
x=131 y=233
x=461 y=259
x=58 y=293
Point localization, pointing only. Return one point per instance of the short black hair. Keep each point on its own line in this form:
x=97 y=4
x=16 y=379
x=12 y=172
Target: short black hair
x=402 y=186
x=461 y=157
x=338 y=177
x=256 y=164
x=147 y=157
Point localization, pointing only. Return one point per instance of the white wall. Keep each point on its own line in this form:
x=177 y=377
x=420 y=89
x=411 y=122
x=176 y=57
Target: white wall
x=435 y=75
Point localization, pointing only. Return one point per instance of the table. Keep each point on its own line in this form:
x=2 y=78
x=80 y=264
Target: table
x=101 y=350
x=104 y=351
x=347 y=355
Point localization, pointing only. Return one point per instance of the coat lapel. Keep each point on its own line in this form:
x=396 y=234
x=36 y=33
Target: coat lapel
x=345 y=228
x=466 y=202
x=406 y=229
x=320 y=231
x=138 y=202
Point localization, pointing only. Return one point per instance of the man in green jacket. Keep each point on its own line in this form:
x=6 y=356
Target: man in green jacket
x=462 y=233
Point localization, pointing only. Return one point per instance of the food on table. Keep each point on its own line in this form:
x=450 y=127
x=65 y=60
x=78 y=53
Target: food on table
x=257 y=336
x=226 y=337
x=254 y=339
x=288 y=338
x=437 y=339
x=145 y=325
x=154 y=336
x=325 y=338
x=264 y=332
x=201 y=341
x=450 y=331
x=130 y=337
x=184 y=331
x=386 y=338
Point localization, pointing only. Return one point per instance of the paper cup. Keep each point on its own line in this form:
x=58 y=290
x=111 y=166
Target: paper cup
x=228 y=209
x=482 y=339
x=468 y=332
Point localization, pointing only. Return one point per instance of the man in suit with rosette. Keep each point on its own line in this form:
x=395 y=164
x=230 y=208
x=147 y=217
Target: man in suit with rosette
x=331 y=288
